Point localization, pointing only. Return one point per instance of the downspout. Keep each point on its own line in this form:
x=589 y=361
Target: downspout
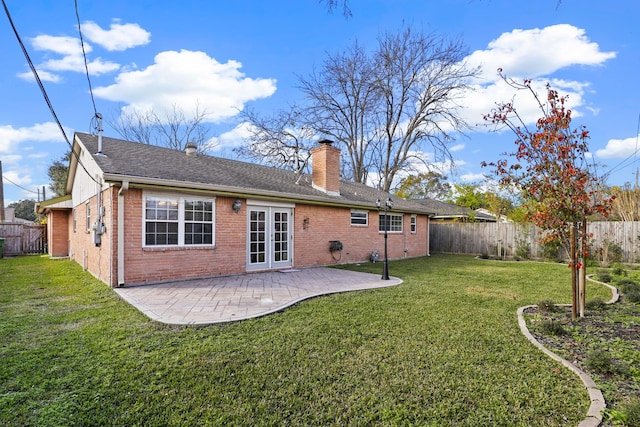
x=428 y=231
x=123 y=188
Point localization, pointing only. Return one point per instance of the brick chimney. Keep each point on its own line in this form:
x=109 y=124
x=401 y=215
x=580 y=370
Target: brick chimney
x=325 y=160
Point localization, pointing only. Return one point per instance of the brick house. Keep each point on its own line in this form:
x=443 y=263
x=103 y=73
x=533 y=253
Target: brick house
x=138 y=213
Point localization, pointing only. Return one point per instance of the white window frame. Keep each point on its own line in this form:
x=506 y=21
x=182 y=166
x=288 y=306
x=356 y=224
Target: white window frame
x=88 y=215
x=365 y=218
x=396 y=219
x=180 y=200
x=414 y=224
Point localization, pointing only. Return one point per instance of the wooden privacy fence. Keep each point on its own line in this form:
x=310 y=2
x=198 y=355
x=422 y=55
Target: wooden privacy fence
x=503 y=239
x=23 y=239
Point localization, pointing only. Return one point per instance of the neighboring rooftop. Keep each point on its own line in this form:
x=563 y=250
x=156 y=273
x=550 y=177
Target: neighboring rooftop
x=450 y=211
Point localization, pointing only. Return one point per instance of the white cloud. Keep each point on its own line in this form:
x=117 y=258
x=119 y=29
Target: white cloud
x=8 y=159
x=532 y=54
x=619 y=148
x=472 y=177
x=63 y=45
x=483 y=100
x=11 y=138
x=538 y=52
x=72 y=58
x=45 y=76
x=119 y=37
x=233 y=138
x=185 y=79
x=457 y=147
x=76 y=63
x=17 y=178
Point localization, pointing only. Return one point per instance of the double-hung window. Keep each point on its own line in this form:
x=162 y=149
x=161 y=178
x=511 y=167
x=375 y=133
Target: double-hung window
x=178 y=221
x=414 y=225
x=392 y=222
x=359 y=218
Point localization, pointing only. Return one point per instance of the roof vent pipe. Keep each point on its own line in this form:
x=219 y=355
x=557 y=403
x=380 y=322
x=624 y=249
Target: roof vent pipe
x=99 y=117
x=190 y=148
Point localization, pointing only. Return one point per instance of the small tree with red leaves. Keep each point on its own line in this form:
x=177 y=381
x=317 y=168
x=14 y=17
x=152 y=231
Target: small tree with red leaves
x=551 y=170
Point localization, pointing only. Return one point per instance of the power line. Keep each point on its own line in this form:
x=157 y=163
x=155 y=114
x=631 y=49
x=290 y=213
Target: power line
x=19 y=186
x=84 y=55
x=42 y=89
x=35 y=73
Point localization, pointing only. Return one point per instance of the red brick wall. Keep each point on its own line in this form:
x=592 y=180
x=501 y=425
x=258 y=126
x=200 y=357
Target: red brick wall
x=58 y=241
x=82 y=249
x=325 y=162
x=159 y=264
x=315 y=226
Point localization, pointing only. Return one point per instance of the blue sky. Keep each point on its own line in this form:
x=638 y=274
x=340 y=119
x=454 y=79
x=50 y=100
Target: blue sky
x=229 y=55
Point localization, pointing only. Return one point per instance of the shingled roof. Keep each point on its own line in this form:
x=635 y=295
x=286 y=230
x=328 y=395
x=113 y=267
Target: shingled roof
x=443 y=210
x=142 y=163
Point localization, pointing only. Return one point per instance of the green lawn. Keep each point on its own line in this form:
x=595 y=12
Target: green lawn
x=443 y=348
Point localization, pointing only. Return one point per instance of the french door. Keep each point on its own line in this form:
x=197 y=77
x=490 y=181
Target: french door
x=269 y=238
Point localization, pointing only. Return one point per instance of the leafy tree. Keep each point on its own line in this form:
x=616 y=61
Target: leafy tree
x=58 y=172
x=498 y=205
x=171 y=129
x=468 y=195
x=24 y=209
x=431 y=185
x=282 y=140
x=386 y=106
x=550 y=169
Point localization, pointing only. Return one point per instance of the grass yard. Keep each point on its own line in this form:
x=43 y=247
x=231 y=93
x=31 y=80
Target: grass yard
x=443 y=348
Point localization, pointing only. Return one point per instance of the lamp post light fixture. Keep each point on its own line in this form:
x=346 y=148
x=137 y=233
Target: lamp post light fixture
x=387 y=206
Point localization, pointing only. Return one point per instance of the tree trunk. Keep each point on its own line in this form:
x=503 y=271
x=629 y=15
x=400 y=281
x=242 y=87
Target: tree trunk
x=583 y=266
x=574 y=282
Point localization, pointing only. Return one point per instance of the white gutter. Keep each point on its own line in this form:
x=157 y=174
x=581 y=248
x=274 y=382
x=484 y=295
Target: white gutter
x=124 y=187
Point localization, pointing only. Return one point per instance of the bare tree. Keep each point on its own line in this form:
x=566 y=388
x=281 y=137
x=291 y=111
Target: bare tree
x=172 y=128
x=386 y=107
x=333 y=4
x=282 y=140
x=343 y=97
x=421 y=78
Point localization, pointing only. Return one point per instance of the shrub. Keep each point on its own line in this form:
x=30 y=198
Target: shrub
x=604 y=276
x=627 y=285
x=600 y=362
x=632 y=411
x=595 y=304
x=633 y=295
x=546 y=306
x=615 y=252
x=523 y=249
x=619 y=271
x=551 y=250
x=610 y=253
x=552 y=327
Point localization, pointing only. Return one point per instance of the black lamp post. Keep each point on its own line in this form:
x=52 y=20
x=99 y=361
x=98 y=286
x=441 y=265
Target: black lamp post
x=387 y=205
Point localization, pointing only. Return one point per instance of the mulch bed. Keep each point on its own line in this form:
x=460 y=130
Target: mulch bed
x=605 y=344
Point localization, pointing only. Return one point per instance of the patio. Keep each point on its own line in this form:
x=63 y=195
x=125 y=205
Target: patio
x=239 y=297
